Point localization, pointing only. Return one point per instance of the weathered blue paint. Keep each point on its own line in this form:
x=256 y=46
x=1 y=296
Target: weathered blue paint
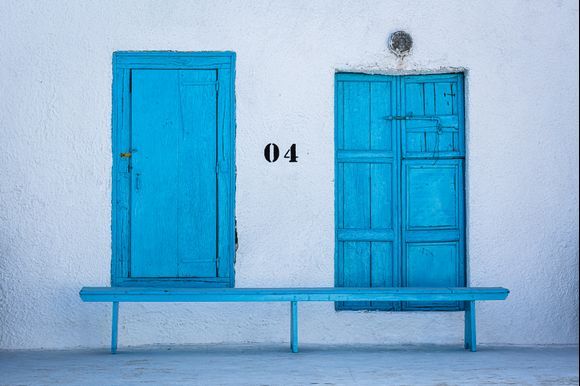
x=294 y=326
x=294 y=295
x=173 y=196
x=399 y=196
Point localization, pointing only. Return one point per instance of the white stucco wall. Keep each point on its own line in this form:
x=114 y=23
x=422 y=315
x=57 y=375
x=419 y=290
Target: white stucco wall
x=55 y=162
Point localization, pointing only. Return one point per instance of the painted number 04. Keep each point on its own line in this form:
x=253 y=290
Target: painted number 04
x=272 y=153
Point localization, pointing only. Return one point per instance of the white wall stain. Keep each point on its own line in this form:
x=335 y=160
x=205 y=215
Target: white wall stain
x=55 y=162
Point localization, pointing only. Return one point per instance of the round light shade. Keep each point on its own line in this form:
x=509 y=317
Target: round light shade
x=400 y=43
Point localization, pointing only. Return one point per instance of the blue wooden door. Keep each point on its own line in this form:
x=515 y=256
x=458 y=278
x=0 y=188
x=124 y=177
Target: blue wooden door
x=178 y=178
x=173 y=189
x=399 y=184
x=433 y=150
x=367 y=171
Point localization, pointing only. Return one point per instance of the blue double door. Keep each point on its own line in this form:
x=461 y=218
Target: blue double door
x=399 y=184
x=174 y=187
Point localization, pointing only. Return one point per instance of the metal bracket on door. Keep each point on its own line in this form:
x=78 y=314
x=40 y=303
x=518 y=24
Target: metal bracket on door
x=411 y=117
x=422 y=118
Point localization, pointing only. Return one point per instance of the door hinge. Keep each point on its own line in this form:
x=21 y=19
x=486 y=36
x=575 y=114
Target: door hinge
x=217 y=86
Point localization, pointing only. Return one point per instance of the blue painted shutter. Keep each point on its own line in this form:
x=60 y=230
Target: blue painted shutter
x=174 y=197
x=367 y=189
x=433 y=246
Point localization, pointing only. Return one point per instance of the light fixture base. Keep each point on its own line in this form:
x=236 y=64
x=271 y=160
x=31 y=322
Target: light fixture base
x=400 y=43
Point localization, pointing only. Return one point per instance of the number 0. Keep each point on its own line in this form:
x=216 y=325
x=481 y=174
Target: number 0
x=271 y=152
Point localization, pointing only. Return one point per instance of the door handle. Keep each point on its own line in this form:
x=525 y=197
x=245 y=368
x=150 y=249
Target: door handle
x=126 y=155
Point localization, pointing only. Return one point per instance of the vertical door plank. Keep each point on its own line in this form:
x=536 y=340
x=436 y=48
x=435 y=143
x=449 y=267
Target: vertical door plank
x=445 y=98
x=429 y=98
x=357 y=270
x=414 y=99
x=381 y=196
x=156 y=123
x=380 y=127
x=382 y=270
x=356 y=115
x=356 y=195
x=366 y=196
x=197 y=189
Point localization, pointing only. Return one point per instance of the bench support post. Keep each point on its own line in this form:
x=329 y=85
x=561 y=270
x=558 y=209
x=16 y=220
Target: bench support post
x=115 y=322
x=294 y=326
x=470 y=337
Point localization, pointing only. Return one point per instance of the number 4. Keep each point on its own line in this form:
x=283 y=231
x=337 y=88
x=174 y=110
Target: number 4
x=291 y=153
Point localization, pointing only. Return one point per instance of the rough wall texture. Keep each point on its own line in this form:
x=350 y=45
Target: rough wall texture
x=55 y=162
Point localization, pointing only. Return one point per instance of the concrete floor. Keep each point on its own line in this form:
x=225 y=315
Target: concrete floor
x=273 y=365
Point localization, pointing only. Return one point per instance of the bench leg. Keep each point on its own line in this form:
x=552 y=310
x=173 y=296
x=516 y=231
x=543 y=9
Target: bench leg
x=115 y=323
x=470 y=337
x=294 y=326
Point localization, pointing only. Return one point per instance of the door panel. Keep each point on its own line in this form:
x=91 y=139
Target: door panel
x=433 y=110
x=367 y=264
x=197 y=205
x=433 y=231
x=366 y=224
x=173 y=190
x=432 y=264
x=155 y=127
x=432 y=195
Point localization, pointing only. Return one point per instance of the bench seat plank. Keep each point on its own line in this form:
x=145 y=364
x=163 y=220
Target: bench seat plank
x=150 y=294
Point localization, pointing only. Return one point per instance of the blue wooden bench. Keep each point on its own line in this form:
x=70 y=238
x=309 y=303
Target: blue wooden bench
x=117 y=295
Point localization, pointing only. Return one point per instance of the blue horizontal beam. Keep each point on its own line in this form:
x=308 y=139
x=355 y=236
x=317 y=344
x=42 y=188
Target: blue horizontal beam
x=366 y=156
x=173 y=60
x=148 y=294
